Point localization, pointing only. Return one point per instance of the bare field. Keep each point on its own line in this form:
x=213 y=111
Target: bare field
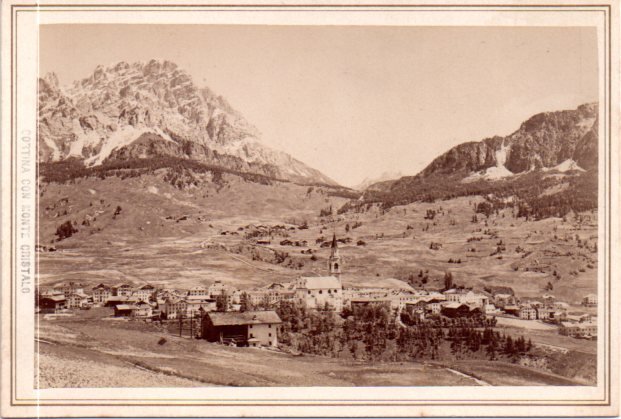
x=88 y=351
x=118 y=349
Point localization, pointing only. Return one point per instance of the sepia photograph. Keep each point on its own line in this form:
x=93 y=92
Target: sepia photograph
x=326 y=205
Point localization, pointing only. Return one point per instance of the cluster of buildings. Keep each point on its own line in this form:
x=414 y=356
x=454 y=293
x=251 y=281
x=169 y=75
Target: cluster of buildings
x=224 y=320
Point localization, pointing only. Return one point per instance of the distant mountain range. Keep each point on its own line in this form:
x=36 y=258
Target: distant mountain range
x=154 y=109
x=130 y=120
x=386 y=176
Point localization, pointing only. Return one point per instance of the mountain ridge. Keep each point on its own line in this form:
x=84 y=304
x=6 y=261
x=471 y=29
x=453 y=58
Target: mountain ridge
x=527 y=146
x=555 y=149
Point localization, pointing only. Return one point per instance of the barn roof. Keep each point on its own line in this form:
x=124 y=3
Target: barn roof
x=321 y=282
x=235 y=318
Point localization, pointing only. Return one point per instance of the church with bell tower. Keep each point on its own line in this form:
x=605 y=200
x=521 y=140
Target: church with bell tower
x=323 y=291
x=334 y=261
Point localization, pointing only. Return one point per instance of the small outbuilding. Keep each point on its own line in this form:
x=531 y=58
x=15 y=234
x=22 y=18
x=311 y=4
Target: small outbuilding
x=124 y=310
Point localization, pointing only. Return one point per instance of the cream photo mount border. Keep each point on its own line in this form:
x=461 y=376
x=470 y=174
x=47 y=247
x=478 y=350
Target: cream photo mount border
x=20 y=21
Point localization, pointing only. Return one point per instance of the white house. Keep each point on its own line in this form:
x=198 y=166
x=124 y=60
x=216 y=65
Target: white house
x=76 y=300
x=123 y=290
x=590 y=300
x=144 y=293
x=101 y=293
x=174 y=307
x=466 y=297
x=198 y=291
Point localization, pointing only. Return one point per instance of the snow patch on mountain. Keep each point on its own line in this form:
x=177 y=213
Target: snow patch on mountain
x=120 y=138
x=52 y=145
x=566 y=166
x=495 y=172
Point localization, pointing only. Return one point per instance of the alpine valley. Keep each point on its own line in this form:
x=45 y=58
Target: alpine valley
x=146 y=177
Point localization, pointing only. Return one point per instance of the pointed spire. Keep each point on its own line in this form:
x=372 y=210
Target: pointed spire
x=334 y=262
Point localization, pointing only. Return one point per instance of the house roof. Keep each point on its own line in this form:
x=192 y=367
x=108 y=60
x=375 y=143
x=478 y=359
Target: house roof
x=118 y=298
x=234 y=318
x=56 y=298
x=321 y=282
x=369 y=300
x=147 y=287
x=125 y=307
x=197 y=298
x=435 y=300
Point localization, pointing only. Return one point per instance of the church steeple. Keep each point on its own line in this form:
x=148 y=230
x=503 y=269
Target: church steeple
x=334 y=262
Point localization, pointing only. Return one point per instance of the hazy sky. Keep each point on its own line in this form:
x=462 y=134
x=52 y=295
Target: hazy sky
x=355 y=102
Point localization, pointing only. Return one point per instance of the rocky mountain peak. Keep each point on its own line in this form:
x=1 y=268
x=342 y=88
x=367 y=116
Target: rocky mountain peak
x=109 y=110
x=52 y=80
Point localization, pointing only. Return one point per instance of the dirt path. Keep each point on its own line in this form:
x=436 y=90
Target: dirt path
x=476 y=380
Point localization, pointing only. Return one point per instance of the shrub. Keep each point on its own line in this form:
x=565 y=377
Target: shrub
x=65 y=230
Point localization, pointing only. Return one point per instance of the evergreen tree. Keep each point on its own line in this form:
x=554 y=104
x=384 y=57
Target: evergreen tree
x=222 y=302
x=244 y=303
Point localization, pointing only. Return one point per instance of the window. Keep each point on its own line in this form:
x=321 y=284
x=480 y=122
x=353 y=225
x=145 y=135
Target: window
x=320 y=291
x=250 y=326
x=269 y=325
x=251 y=336
x=329 y=291
x=269 y=335
x=309 y=292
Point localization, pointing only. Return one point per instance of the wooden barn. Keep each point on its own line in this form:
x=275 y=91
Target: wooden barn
x=250 y=328
x=52 y=304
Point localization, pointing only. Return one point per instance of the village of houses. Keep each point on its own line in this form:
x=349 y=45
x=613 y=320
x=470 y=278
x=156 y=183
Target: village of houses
x=247 y=317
